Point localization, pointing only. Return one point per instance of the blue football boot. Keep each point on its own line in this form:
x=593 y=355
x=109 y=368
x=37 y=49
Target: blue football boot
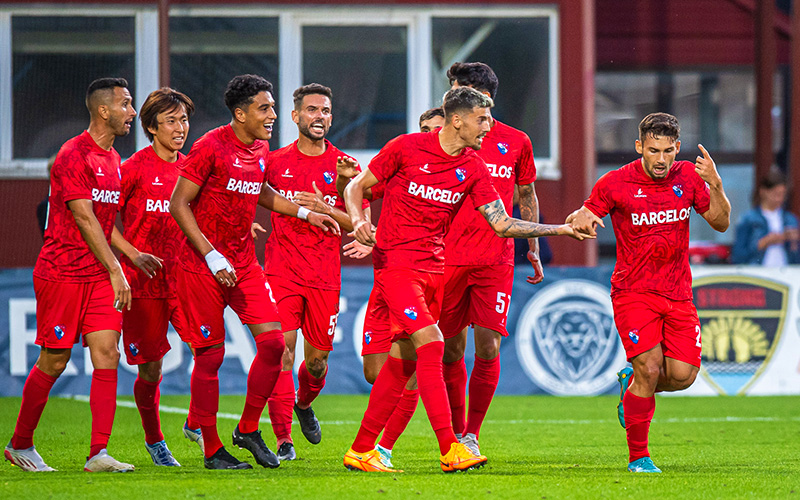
x=643 y=464
x=624 y=376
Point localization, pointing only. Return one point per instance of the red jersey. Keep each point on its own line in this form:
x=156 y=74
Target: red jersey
x=82 y=171
x=230 y=175
x=425 y=187
x=651 y=223
x=147 y=184
x=508 y=154
x=295 y=249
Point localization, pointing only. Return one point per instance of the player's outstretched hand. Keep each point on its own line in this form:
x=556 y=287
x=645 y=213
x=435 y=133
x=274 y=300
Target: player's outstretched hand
x=324 y=222
x=584 y=221
x=364 y=232
x=538 y=272
x=706 y=168
x=572 y=232
x=256 y=228
x=149 y=264
x=356 y=250
x=313 y=201
x=122 y=291
x=346 y=167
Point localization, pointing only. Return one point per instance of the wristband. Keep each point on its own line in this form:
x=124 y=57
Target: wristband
x=302 y=213
x=217 y=262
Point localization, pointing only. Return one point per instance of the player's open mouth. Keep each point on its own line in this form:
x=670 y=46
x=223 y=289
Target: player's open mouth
x=178 y=140
x=268 y=126
x=659 y=169
x=318 y=126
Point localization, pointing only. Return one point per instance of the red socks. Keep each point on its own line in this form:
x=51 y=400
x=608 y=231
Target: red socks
x=638 y=414
x=433 y=392
x=147 y=395
x=482 y=384
x=383 y=399
x=400 y=417
x=34 y=397
x=308 y=387
x=261 y=380
x=455 y=374
x=205 y=394
x=280 y=406
x=103 y=404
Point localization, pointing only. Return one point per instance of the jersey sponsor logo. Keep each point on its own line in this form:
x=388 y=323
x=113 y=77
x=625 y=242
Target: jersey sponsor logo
x=261 y=164
x=424 y=168
x=161 y=206
x=567 y=341
x=741 y=321
x=639 y=194
x=205 y=330
x=105 y=196
x=434 y=194
x=328 y=176
x=244 y=187
x=59 y=331
x=678 y=189
x=502 y=147
x=287 y=174
x=157 y=182
x=368 y=337
x=134 y=349
x=236 y=163
x=411 y=312
x=634 y=336
x=660 y=217
x=461 y=174
x=100 y=172
x=500 y=171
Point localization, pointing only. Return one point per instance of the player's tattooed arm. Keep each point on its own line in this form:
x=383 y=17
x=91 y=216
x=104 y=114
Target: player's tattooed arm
x=718 y=214
x=148 y=263
x=508 y=227
x=529 y=211
x=92 y=233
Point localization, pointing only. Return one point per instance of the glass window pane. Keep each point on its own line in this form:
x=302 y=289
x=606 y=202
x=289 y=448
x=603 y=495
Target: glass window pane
x=54 y=61
x=206 y=52
x=621 y=101
x=518 y=52
x=369 y=98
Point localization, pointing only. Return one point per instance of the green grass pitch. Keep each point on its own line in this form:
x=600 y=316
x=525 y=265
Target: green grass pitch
x=538 y=448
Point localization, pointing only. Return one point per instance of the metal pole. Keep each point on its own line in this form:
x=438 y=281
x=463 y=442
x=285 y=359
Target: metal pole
x=163 y=42
x=765 y=65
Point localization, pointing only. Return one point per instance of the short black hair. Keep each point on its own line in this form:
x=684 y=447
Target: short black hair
x=241 y=89
x=427 y=115
x=476 y=75
x=108 y=83
x=659 y=125
x=464 y=99
x=773 y=178
x=310 y=89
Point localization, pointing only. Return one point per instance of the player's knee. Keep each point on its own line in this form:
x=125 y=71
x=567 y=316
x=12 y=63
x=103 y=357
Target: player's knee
x=370 y=374
x=316 y=366
x=681 y=381
x=151 y=372
x=647 y=374
x=54 y=365
x=453 y=350
x=287 y=360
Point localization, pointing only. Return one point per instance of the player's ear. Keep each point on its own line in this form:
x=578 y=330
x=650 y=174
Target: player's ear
x=639 y=149
x=295 y=116
x=239 y=115
x=677 y=147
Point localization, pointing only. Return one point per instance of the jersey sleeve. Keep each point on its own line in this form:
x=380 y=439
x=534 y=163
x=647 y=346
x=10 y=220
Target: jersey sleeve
x=482 y=190
x=600 y=202
x=198 y=163
x=71 y=172
x=387 y=161
x=702 y=196
x=526 y=168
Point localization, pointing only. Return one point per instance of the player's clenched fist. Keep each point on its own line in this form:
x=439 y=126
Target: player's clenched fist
x=706 y=168
x=584 y=221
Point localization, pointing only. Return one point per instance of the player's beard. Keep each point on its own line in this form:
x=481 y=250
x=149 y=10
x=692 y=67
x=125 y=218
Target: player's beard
x=117 y=125
x=305 y=129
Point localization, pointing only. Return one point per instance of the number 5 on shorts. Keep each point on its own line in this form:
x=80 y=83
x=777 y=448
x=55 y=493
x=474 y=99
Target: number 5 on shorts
x=502 y=302
x=332 y=323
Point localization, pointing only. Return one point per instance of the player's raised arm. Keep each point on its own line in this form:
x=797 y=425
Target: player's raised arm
x=508 y=227
x=273 y=200
x=92 y=233
x=353 y=199
x=718 y=214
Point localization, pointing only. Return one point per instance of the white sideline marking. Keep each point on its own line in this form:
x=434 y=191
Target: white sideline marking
x=233 y=416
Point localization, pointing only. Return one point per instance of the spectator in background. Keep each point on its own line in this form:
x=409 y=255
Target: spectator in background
x=768 y=235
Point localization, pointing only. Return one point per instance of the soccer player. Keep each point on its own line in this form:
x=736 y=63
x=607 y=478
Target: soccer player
x=214 y=203
x=80 y=286
x=650 y=201
x=302 y=265
x=150 y=242
x=479 y=266
x=431 y=120
x=427 y=177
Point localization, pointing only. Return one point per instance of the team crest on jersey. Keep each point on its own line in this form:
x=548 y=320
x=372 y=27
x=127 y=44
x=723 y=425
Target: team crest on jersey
x=566 y=339
x=367 y=337
x=678 y=190
x=205 y=330
x=133 y=349
x=741 y=320
x=411 y=312
x=328 y=176
x=261 y=164
x=502 y=147
x=59 y=331
x=461 y=174
x=634 y=335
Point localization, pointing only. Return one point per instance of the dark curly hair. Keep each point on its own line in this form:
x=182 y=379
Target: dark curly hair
x=476 y=75
x=241 y=89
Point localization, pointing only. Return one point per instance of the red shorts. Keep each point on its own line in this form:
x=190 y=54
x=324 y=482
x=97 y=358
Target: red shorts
x=203 y=301
x=144 y=328
x=377 y=338
x=413 y=299
x=65 y=311
x=645 y=320
x=476 y=295
x=313 y=310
